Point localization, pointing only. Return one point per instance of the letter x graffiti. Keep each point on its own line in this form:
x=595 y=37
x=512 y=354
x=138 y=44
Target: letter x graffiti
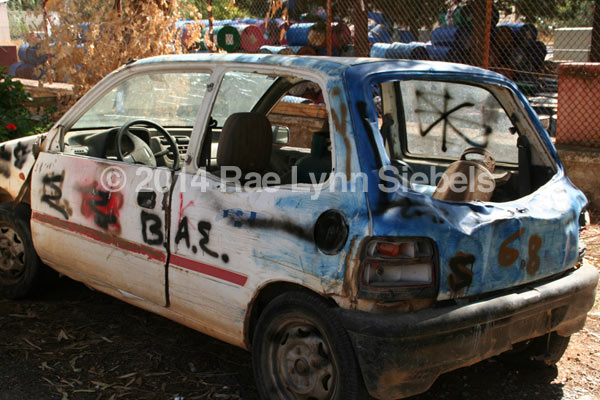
x=427 y=105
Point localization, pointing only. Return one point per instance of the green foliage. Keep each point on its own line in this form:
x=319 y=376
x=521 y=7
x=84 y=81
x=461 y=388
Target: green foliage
x=16 y=119
x=222 y=9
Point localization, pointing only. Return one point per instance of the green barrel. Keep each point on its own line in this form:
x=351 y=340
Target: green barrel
x=227 y=38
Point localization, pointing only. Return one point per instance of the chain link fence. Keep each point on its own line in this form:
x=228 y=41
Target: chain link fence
x=524 y=40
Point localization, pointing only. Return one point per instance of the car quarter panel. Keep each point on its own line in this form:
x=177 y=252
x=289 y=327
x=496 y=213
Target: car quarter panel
x=483 y=246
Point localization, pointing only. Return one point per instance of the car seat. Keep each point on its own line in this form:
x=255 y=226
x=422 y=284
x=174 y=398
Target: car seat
x=245 y=142
x=319 y=160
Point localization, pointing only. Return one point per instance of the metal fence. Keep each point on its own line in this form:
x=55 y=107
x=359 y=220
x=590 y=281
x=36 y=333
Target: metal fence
x=525 y=40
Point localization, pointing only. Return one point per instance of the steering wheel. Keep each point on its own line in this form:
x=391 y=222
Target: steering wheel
x=141 y=153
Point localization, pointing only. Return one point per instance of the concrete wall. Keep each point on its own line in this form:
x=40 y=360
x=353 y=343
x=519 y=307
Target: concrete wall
x=583 y=168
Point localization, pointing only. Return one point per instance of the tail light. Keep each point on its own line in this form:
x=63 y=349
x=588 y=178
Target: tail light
x=398 y=268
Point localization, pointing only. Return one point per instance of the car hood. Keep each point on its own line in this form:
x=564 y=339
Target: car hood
x=487 y=247
x=16 y=161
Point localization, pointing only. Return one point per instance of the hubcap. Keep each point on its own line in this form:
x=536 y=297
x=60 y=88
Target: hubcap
x=302 y=367
x=12 y=255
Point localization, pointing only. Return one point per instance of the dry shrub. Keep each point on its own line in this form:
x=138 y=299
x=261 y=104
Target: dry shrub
x=87 y=39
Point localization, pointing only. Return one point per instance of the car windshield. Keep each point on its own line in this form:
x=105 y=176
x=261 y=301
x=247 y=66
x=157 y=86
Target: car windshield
x=239 y=92
x=170 y=99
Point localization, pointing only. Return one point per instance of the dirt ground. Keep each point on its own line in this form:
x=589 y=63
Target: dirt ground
x=74 y=343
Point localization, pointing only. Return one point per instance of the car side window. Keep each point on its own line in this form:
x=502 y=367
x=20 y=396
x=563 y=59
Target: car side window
x=268 y=124
x=167 y=100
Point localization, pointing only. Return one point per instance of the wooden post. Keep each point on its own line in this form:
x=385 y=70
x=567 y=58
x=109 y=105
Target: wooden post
x=595 y=53
x=329 y=22
x=489 y=10
x=361 y=28
x=210 y=26
x=480 y=36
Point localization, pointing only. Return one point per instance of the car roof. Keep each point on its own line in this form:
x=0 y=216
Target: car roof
x=331 y=66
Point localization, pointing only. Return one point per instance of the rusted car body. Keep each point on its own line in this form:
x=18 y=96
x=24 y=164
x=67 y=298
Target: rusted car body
x=417 y=283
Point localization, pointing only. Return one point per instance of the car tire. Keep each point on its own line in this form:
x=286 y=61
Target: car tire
x=301 y=351
x=20 y=267
x=541 y=352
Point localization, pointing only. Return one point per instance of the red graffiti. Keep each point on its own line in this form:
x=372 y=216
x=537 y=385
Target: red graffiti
x=182 y=208
x=103 y=206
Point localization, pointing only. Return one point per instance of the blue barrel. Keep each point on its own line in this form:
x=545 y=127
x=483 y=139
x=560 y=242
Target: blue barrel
x=524 y=33
x=408 y=51
x=405 y=36
x=443 y=53
x=380 y=34
x=251 y=21
x=30 y=54
x=281 y=50
x=378 y=17
x=306 y=34
x=452 y=36
x=379 y=50
x=23 y=70
x=294 y=100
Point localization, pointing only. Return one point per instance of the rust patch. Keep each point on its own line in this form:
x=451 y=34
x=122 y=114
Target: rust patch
x=340 y=126
x=350 y=286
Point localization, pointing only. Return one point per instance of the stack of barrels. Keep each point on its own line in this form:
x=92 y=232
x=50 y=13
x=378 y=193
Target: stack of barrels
x=30 y=59
x=273 y=36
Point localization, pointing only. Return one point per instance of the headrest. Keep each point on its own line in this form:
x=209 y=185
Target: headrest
x=245 y=142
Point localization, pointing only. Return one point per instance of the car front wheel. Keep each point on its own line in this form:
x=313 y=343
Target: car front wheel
x=301 y=352
x=20 y=267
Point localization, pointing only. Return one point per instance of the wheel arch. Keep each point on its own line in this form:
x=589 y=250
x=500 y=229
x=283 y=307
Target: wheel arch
x=264 y=295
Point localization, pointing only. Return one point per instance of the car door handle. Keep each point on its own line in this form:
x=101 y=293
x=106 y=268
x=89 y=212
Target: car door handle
x=146 y=199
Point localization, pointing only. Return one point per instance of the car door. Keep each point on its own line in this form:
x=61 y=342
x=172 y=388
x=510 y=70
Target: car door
x=104 y=221
x=230 y=237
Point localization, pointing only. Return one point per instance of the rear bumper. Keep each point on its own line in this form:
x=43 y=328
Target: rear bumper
x=402 y=354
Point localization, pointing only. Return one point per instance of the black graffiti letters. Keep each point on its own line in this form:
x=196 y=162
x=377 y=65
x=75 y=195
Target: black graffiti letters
x=20 y=152
x=204 y=229
x=183 y=232
x=461 y=276
x=53 y=192
x=151 y=229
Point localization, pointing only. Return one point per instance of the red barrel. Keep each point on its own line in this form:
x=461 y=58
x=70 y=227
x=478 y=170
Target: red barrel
x=252 y=38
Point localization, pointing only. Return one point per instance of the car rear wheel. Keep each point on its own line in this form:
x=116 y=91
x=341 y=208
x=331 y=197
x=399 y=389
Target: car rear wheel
x=301 y=352
x=20 y=267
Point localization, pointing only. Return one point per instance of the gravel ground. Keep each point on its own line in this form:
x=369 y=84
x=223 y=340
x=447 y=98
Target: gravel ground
x=74 y=343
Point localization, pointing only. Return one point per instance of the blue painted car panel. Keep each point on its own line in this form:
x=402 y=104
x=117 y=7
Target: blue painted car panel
x=501 y=244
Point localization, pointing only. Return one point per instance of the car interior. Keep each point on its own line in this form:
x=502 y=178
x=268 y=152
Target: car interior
x=438 y=133
x=282 y=125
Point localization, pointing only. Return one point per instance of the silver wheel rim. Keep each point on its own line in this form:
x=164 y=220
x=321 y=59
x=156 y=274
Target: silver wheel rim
x=301 y=365
x=12 y=255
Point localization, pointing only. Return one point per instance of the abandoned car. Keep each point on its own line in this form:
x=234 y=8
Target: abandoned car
x=360 y=225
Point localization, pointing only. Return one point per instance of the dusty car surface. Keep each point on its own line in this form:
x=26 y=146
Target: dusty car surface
x=360 y=225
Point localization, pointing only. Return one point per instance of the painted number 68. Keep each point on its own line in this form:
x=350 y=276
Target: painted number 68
x=508 y=255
